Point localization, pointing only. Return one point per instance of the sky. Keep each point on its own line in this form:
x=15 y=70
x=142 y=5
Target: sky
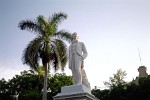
x=112 y=31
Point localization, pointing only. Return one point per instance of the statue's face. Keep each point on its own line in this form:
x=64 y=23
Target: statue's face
x=75 y=36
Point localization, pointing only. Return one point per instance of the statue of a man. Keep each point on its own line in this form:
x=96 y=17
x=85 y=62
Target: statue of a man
x=77 y=54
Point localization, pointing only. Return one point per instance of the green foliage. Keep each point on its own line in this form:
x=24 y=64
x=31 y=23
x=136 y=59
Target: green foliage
x=117 y=79
x=101 y=94
x=4 y=90
x=28 y=86
x=57 y=81
x=126 y=92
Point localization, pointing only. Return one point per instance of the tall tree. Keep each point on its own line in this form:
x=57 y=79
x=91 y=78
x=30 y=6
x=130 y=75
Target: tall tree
x=48 y=46
x=117 y=79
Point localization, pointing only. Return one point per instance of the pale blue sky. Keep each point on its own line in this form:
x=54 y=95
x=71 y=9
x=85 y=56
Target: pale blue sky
x=112 y=31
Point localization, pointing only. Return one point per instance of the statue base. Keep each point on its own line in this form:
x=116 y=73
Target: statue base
x=75 y=92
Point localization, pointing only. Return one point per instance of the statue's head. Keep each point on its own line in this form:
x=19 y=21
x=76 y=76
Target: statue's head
x=75 y=36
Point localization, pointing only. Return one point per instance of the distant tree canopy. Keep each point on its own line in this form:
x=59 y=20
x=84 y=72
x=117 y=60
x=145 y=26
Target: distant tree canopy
x=29 y=86
x=117 y=79
x=122 y=90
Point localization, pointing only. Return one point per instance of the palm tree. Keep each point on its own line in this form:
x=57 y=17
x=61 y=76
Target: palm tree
x=48 y=47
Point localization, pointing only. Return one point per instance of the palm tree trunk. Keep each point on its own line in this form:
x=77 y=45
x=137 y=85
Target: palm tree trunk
x=45 y=83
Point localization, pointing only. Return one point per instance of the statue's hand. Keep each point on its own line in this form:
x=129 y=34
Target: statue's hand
x=69 y=67
x=82 y=57
x=82 y=65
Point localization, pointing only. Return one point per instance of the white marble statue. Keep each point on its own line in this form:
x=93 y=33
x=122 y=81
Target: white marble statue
x=77 y=54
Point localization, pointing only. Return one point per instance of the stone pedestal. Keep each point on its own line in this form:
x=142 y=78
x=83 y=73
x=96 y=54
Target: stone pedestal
x=75 y=92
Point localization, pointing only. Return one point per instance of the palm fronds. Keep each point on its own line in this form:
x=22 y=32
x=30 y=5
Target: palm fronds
x=31 y=53
x=64 y=35
x=30 y=26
